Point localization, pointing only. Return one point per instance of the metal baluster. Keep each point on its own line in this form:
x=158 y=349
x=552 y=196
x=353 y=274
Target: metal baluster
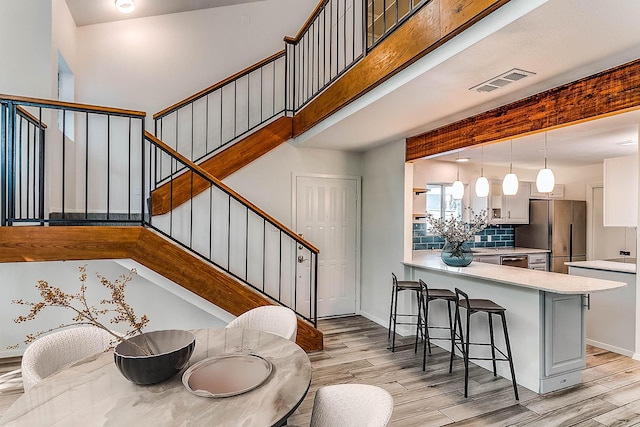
x=41 y=166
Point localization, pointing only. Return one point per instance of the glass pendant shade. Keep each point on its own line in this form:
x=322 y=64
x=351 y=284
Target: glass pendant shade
x=545 y=181
x=510 y=184
x=125 y=6
x=482 y=187
x=457 y=190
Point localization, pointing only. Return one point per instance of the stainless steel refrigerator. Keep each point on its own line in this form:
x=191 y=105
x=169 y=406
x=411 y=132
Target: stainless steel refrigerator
x=559 y=226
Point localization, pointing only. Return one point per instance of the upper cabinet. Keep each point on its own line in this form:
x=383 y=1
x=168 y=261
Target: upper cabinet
x=503 y=209
x=621 y=192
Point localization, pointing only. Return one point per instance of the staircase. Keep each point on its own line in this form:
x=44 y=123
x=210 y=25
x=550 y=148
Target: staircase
x=180 y=216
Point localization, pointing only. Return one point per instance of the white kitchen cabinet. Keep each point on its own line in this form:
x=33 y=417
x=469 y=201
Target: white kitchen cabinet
x=564 y=340
x=620 y=192
x=503 y=209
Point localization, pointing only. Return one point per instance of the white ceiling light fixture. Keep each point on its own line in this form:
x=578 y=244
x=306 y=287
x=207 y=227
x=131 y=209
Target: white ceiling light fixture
x=125 y=6
x=482 y=183
x=457 y=189
x=510 y=182
x=545 y=180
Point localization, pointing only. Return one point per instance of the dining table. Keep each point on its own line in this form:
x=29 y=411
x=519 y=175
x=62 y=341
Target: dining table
x=93 y=392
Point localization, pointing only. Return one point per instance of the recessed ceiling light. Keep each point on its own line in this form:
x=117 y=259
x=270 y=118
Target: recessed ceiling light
x=125 y=6
x=463 y=159
x=627 y=143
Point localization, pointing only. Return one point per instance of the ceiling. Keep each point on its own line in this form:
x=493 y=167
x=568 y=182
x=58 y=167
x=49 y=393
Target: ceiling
x=560 y=41
x=88 y=12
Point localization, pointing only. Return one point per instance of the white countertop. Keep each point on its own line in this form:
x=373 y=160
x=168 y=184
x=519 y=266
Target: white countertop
x=506 y=251
x=620 y=267
x=540 y=280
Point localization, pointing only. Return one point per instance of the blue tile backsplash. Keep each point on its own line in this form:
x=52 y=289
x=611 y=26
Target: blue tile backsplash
x=501 y=236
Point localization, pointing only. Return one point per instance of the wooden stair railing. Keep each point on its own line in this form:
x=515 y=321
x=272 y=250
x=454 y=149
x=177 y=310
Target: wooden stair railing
x=22 y=244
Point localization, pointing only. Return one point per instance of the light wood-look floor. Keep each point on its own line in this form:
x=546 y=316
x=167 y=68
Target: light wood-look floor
x=356 y=351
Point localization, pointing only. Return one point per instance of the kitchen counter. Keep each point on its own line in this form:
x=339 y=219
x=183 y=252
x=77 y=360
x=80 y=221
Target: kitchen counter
x=605 y=265
x=545 y=315
x=524 y=277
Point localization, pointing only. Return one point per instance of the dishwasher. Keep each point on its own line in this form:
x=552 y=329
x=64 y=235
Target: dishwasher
x=521 y=261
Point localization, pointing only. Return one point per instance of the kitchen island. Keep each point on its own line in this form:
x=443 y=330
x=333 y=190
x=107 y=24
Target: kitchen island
x=617 y=332
x=545 y=316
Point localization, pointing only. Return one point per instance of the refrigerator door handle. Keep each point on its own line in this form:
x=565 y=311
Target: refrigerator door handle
x=571 y=242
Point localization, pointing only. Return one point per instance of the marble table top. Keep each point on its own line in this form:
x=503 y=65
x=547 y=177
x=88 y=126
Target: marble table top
x=540 y=280
x=94 y=393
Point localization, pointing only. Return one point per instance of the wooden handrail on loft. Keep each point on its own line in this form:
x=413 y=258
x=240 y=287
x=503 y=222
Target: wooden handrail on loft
x=31 y=117
x=199 y=187
x=218 y=85
x=307 y=23
x=73 y=106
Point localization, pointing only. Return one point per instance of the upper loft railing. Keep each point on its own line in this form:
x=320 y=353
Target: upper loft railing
x=98 y=166
x=336 y=36
x=220 y=114
x=78 y=172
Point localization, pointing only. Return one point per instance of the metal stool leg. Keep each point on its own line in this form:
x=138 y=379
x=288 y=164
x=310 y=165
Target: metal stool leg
x=450 y=326
x=506 y=339
x=393 y=291
x=456 y=322
x=395 y=314
x=419 y=326
x=493 y=345
x=466 y=357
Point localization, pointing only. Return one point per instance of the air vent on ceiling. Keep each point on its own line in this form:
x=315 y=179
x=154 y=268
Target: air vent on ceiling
x=502 y=80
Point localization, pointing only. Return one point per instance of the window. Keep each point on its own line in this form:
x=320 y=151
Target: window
x=440 y=202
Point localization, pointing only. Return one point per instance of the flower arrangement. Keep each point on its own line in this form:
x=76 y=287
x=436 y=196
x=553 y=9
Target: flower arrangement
x=456 y=231
x=85 y=314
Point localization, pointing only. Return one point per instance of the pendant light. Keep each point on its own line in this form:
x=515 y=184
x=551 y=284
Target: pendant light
x=545 y=180
x=510 y=183
x=482 y=183
x=457 y=189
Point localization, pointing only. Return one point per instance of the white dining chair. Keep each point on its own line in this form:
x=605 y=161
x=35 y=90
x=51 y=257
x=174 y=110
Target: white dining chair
x=351 y=405
x=269 y=318
x=57 y=350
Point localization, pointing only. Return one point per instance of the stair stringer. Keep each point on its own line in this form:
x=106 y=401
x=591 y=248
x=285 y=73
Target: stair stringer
x=33 y=243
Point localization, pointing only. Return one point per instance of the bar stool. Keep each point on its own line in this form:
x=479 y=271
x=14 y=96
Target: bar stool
x=429 y=295
x=398 y=286
x=480 y=306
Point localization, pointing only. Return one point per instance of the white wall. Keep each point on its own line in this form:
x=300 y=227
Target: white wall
x=268 y=182
x=165 y=309
x=151 y=63
x=25 y=48
x=382 y=227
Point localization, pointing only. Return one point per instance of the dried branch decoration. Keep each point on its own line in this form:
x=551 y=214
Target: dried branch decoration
x=454 y=229
x=85 y=314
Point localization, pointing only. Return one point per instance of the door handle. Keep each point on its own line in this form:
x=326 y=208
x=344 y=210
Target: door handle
x=301 y=259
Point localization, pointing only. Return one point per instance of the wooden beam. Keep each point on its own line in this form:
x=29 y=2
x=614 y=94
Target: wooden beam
x=431 y=26
x=149 y=249
x=607 y=93
x=66 y=243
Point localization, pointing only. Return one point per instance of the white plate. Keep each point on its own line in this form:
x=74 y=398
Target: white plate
x=228 y=375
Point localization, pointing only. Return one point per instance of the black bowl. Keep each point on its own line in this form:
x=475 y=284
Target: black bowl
x=172 y=350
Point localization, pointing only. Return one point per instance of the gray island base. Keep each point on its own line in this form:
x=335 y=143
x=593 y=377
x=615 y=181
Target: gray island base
x=545 y=316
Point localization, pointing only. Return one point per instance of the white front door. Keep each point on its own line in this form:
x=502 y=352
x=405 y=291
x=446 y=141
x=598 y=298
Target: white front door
x=326 y=212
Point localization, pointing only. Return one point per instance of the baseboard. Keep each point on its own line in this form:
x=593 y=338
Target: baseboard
x=11 y=353
x=612 y=348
